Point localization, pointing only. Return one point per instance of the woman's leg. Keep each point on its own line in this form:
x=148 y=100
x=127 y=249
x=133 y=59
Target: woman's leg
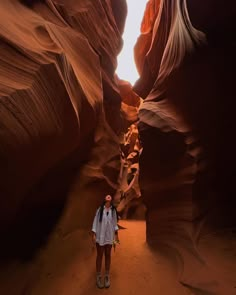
x=107 y=258
x=107 y=265
x=100 y=250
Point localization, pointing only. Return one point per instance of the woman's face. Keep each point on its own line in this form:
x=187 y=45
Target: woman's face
x=108 y=198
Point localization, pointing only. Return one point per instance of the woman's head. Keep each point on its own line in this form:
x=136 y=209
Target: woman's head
x=108 y=202
x=108 y=198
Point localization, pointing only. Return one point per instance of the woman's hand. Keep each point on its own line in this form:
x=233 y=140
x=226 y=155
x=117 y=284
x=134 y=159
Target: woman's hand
x=117 y=237
x=93 y=238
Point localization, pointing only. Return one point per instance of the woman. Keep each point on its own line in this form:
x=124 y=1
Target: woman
x=105 y=232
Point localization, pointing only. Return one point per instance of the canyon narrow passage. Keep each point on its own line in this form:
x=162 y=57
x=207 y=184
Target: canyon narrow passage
x=160 y=140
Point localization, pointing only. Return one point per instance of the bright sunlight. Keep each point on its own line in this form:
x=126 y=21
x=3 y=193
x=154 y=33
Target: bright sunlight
x=126 y=69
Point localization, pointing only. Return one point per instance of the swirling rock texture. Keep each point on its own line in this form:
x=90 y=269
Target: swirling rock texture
x=130 y=103
x=130 y=204
x=187 y=132
x=144 y=41
x=63 y=113
x=128 y=197
x=59 y=109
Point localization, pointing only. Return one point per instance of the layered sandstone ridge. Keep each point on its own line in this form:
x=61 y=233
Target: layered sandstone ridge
x=186 y=57
x=59 y=108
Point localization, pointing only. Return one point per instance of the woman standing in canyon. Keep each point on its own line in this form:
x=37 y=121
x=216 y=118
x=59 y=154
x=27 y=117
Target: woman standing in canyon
x=105 y=233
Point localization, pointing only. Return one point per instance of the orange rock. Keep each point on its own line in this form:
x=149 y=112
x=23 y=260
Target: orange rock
x=150 y=15
x=59 y=109
x=128 y=96
x=144 y=41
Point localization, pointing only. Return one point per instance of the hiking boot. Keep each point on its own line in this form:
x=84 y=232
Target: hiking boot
x=107 y=281
x=99 y=282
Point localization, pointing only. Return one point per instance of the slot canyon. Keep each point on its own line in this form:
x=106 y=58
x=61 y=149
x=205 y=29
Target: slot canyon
x=72 y=131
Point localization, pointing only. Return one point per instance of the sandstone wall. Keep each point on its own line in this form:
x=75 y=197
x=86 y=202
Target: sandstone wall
x=59 y=109
x=187 y=131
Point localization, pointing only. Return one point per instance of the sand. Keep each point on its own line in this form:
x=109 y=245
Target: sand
x=66 y=266
x=135 y=268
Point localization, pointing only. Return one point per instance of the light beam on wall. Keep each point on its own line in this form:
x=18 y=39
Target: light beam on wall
x=126 y=69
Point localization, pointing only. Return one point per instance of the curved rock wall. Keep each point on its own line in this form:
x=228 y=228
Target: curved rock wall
x=186 y=128
x=59 y=100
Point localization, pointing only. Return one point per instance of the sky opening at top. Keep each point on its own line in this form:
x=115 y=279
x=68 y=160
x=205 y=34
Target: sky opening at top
x=126 y=69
